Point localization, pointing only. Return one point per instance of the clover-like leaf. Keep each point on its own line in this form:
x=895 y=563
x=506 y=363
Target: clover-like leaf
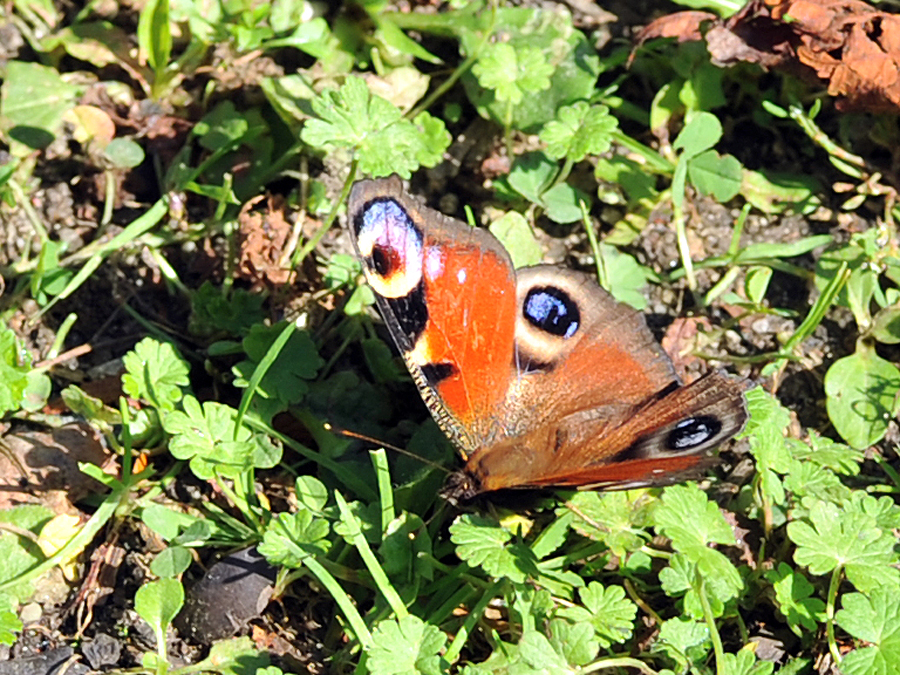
x=873 y=618
x=683 y=640
x=824 y=452
x=688 y=517
x=577 y=643
x=156 y=373
x=512 y=72
x=607 y=609
x=745 y=662
x=849 y=538
x=716 y=175
x=517 y=237
x=158 y=603
x=482 y=542
x=215 y=312
x=290 y=538
x=579 y=130
x=722 y=582
x=693 y=522
x=15 y=362
x=205 y=436
x=616 y=518
x=408 y=646
x=701 y=133
x=384 y=141
x=287 y=377
x=10 y=624
x=793 y=593
x=862 y=392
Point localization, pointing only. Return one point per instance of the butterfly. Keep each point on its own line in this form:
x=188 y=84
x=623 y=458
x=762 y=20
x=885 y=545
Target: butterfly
x=537 y=375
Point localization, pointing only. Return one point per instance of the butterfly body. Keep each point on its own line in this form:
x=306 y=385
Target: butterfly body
x=538 y=376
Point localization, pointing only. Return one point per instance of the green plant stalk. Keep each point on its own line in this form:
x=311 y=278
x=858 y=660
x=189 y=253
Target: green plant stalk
x=444 y=611
x=222 y=204
x=820 y=308
x=722 y=285
x=618 y=662
x=352 y=336
x=59 y=340
x=118 y=496
x=640 y=602
x=735 y=246
x=462 y=635
x=833 y=587
x=654 y=162
x=162 y=651
x=444 y=568
x=371 y=562
x=679 y=182
x=385 y=491
x=347 y=477
x=109 y=197
x=342 y=600
x=719 y=261
x=599 y=262
x=733 y=250
x=447 y=84
x=338 y=571
x=576 y=554
x=507 y=129
x=168 y=272
x=277 y=167
x=313 y=241
x=241 y=499
x=820 y=138
x=127 y=457
x=25 y=204
x=97 y=251
x=808 y=325
x=260 y=372
x=714 y=637
x=460 y=70
x=888 y=469
x=563 y=173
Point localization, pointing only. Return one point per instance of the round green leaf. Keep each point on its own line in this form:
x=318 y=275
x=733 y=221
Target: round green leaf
x=517 y=237
x=158 y=602
x=862 y=393
x=124 y=153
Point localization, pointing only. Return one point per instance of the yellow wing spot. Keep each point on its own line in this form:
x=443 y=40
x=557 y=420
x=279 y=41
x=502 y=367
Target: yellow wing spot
x=421 y=354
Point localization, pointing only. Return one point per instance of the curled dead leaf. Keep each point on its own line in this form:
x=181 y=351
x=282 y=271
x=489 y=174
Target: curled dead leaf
x=848 y=43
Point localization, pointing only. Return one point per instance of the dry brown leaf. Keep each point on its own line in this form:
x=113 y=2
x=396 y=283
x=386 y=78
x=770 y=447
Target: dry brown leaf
x=682 y=340
x=683 y=26
x=847 y=43
x=263 y=235
x=41 y=466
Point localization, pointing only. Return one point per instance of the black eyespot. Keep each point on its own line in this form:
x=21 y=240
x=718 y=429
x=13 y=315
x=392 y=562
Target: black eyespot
x=385 y=260
x=692 y=432
x=552 y=310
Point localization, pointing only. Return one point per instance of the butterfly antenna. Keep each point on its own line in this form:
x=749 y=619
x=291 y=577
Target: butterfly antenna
x=362 y=437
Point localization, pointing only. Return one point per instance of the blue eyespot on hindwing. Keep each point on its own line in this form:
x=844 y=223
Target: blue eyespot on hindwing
x=552 y=311
x=692 y=432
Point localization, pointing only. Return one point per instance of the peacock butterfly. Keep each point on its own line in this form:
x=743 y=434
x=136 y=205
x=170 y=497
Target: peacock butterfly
x=538 y=376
